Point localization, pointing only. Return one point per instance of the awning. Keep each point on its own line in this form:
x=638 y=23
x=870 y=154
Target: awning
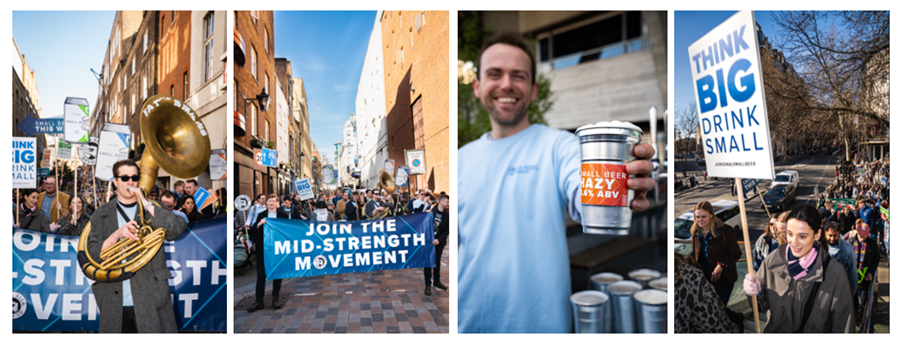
x=239 y=49
x=238 y=120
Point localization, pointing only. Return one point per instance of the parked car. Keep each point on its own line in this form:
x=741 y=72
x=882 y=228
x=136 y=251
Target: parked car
x=780 y=197
x=790 y=177
x=727 y=211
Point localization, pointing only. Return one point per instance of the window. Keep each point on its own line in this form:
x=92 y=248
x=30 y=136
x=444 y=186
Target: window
x=172 y=90
x=266 y=40
x=253 y=120
x=254 y=14
x=185 y=86
x=613 y=36
x=266 y=130
x=266 y=82
x=133 y=66
x=144 y=88
x=132 y=103
x=254 y=63
x=208 y=46
x=145 y=42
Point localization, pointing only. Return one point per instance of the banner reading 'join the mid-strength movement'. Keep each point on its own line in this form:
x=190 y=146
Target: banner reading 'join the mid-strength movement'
x=50 y=292
x=297 y=248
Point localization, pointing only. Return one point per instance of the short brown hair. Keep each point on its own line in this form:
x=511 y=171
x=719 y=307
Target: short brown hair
x=168 y=194
x=512 y=39
x=124 y=162
x=177 y=184
x=272 y=195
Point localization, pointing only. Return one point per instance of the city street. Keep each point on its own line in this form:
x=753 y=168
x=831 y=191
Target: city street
x=815 y=173
x=390 y=301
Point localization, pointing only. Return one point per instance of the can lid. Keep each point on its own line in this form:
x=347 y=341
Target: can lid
x=611 y=127
x=651 y=297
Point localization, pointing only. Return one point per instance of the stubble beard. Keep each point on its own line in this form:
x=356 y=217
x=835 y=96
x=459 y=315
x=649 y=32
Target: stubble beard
x=519 y=114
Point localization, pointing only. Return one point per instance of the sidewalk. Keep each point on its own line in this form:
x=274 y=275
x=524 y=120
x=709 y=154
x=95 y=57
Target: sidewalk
x=370 y=302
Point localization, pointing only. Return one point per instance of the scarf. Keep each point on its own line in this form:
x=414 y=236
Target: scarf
x=859 y=248
x=800 y=267
x=26 y=210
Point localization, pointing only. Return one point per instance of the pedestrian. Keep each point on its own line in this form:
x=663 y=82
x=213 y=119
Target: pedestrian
x=715 y=248
x=187 y=206
x=797 y=272
x=352 y=213
x=321 y=214
x=50 y=198
x=74 y=222
x=139 y=304
x=767 y=242
x=843 y=252
x=440 y=238
x=256 y=209
x=698 y=308
x=290 y=210
x=340 y=207
x=178 y=189
x=867 y=256
x=513 y=253
x=272 y=211
x=30 y=215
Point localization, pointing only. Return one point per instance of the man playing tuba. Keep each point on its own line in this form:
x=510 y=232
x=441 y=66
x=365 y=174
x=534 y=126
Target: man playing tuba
x=141 y=303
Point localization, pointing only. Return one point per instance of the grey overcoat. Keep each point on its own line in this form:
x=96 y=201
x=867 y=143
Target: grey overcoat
x=150 y=285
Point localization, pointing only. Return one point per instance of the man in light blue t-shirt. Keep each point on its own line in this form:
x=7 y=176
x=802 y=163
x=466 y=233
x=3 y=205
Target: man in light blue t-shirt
x=515 y=184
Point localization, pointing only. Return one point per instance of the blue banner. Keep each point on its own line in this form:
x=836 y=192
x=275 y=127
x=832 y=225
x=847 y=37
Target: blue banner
x=50 y=293
x=298 y=248
x=748 y=185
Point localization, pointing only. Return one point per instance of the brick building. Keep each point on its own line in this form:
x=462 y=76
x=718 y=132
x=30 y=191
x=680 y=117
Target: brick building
x=301 y=117
x=253 y=83
x=416 y=74
x=24 y=96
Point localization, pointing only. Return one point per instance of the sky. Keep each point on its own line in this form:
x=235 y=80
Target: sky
x=689 y=26
x=61 y=48
x=327 y=50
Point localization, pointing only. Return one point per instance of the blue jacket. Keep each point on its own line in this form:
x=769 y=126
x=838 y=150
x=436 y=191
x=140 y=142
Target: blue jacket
x=846 y=257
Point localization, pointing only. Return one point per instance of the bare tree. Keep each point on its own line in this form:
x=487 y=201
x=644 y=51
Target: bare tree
x=839 y=75
x=685 y=126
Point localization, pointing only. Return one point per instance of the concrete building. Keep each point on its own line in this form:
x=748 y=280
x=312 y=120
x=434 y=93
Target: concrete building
x=347 y=160
x=254 y=119
x=603 y=66
x=370 y=112
x=303 y=146
x=415 y=50
x=24 y=93
x=283 y=154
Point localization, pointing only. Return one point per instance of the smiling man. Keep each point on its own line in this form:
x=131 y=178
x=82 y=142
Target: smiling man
x=515 y=184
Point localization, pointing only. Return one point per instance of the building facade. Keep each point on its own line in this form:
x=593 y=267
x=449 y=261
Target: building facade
x=303 y=146
x=370 y=143
x=415 y=50
x=23 y=105
x=254 y=99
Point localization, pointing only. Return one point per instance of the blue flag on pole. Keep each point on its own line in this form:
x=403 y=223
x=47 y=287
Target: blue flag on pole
x=298 y=248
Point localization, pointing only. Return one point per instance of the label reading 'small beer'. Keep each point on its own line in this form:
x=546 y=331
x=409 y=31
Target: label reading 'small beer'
x=604 y=184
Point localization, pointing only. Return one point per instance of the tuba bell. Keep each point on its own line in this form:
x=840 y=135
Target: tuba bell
x=387 y=183
x=176 y=141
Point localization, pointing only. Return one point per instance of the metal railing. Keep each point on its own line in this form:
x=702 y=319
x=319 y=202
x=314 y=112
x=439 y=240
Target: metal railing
x=866 y=325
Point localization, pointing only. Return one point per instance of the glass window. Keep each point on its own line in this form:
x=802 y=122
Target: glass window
x=208 y=46
x=253 y=62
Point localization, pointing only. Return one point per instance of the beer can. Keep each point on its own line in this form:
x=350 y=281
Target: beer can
x=605 y=149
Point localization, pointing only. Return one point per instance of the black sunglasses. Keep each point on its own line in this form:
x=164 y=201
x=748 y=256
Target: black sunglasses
x=126 y=178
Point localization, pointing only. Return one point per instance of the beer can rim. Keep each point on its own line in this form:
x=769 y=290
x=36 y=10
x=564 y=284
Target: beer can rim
x=610 y=127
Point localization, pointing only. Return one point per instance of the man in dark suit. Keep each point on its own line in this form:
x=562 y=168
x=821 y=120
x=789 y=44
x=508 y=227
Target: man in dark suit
x=288 y=208
x=440 y=238
x=352 y=207
x=273 y=211
x=141 y=303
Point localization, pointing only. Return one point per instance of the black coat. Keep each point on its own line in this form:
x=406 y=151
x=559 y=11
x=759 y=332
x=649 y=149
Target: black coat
x=257 y=229
x=872 y=257
x=352 y=212
x=440 y=221
x=724 y=249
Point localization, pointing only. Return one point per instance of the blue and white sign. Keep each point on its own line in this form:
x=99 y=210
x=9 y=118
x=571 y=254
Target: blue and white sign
x=748 y=185
x=50 y=292
x=416 y=160
x=114 y=146
x=200 y=196
x=24 y=163
x=727 y=79
x=37 y=126
x=268 y=157
x=401 y=177
x=43 y=172
x=304 y=189
x=329 y=175
x=298 y=248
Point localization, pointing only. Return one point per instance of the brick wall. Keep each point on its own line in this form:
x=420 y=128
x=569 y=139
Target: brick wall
x=416 y=70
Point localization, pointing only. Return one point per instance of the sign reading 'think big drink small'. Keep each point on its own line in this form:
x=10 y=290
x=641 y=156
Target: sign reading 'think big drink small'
x=727 y=79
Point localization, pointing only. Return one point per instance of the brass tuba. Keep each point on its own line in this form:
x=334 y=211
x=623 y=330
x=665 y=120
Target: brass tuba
x=176 y=141
x=386 y=182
